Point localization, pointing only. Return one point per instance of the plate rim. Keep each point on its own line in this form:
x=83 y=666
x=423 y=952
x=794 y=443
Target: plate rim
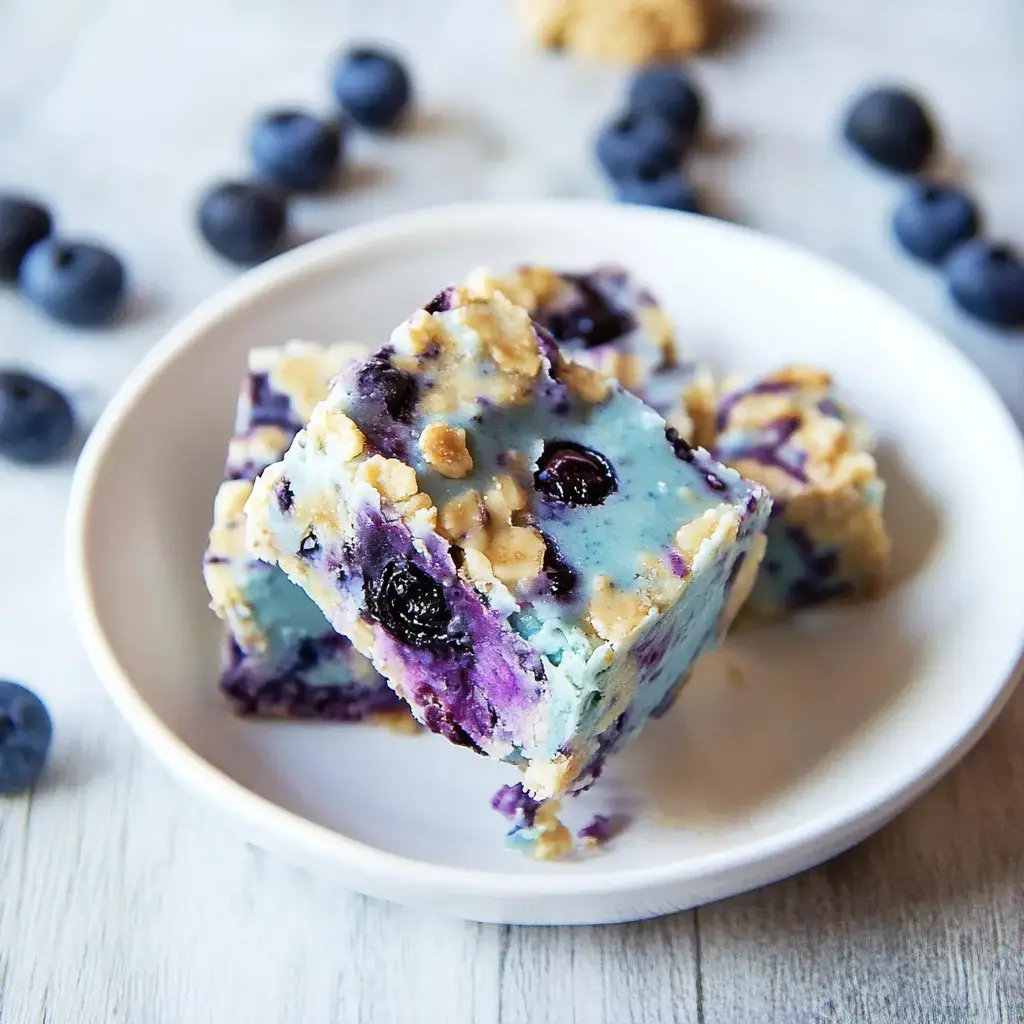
x=768 y=858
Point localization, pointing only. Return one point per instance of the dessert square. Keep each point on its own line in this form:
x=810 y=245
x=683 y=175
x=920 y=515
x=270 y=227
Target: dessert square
x=827 y=538
x=281 y=656
x=526 y=551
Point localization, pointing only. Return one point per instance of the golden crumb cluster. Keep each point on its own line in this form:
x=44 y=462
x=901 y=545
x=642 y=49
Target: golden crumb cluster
x=493 y=546
x=634 y=31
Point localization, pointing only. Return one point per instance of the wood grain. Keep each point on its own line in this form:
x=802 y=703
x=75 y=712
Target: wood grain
x=125 y=901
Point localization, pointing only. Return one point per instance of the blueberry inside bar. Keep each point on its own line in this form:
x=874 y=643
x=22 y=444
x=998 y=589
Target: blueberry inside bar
x=280 y=655
x=602 y=317
x=827 y=538
x=526 y=551
x=605 y=319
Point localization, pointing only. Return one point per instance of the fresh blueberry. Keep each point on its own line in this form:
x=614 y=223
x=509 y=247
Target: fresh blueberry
x=986 y=279
x=36 y=420
x=372 y=86
x=932 y=220
x=243 y=221
x=409 y=604
x=22 y=224
x=74 y=282
x=574 y=475
x=637 y=144
x=25 y=734
x=890 y=127
x=295 y=150
x=668 y=190
x=669 y=93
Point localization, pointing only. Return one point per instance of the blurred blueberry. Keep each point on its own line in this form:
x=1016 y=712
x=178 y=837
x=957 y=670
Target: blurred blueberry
x=986 y=279
x=76 y=283
x=243 y=221
x=23 y=222
x=668 y=190
x=36 y=420
x=637 y=145
x=891 y=127
x=295 y=150
x=670 y=93
x=372 y=86
x=932 y=220
x=25 y=735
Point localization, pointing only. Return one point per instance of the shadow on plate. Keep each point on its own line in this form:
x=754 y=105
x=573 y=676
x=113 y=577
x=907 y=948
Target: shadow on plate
x=911 y=516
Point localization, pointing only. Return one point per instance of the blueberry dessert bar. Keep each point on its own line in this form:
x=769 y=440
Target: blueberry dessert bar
x=826 y=538
x=601 y=317
x=526 y=551
x=280 y=655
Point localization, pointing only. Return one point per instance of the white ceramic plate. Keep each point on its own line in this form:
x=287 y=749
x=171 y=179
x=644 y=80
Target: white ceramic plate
x=840 y=719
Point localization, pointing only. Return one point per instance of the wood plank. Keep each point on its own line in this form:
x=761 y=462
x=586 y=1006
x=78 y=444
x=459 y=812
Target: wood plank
x=622 y=974
x=923 y=922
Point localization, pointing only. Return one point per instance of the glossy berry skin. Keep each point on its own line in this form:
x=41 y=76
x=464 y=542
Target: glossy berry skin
x=669 y=191
x=23 y=222
x=932 y=220
x=25 y=735
x=244 y=222
x=669 y=93
x=409 y=604
x=372 y=86
x=295 y=150
x=986 y=280
x=36 y=420
x=573 y=475
x=75 y=283
x=636 y=144
x=890 y=127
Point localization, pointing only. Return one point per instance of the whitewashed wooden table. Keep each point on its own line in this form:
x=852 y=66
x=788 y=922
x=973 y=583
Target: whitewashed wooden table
x=123 y=899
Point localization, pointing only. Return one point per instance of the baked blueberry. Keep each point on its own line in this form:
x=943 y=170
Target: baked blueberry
x=574 y=475
x=409 y=604
x=681 y=447
x=561 y=576
x=36 y=420
x=670 y=93
x=25 y=735
x=22 y=224
x=244 y=222
x=986 y=279
x=396 y=389
x=668 y=190
x=890 y=127
x=932 y=220
x=295 y=150
x=372 y=86
x=76 y=283
x=590 y=322
x=636 y=144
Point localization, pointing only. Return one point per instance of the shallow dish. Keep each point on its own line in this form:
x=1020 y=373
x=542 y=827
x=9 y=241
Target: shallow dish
x=791 y=745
